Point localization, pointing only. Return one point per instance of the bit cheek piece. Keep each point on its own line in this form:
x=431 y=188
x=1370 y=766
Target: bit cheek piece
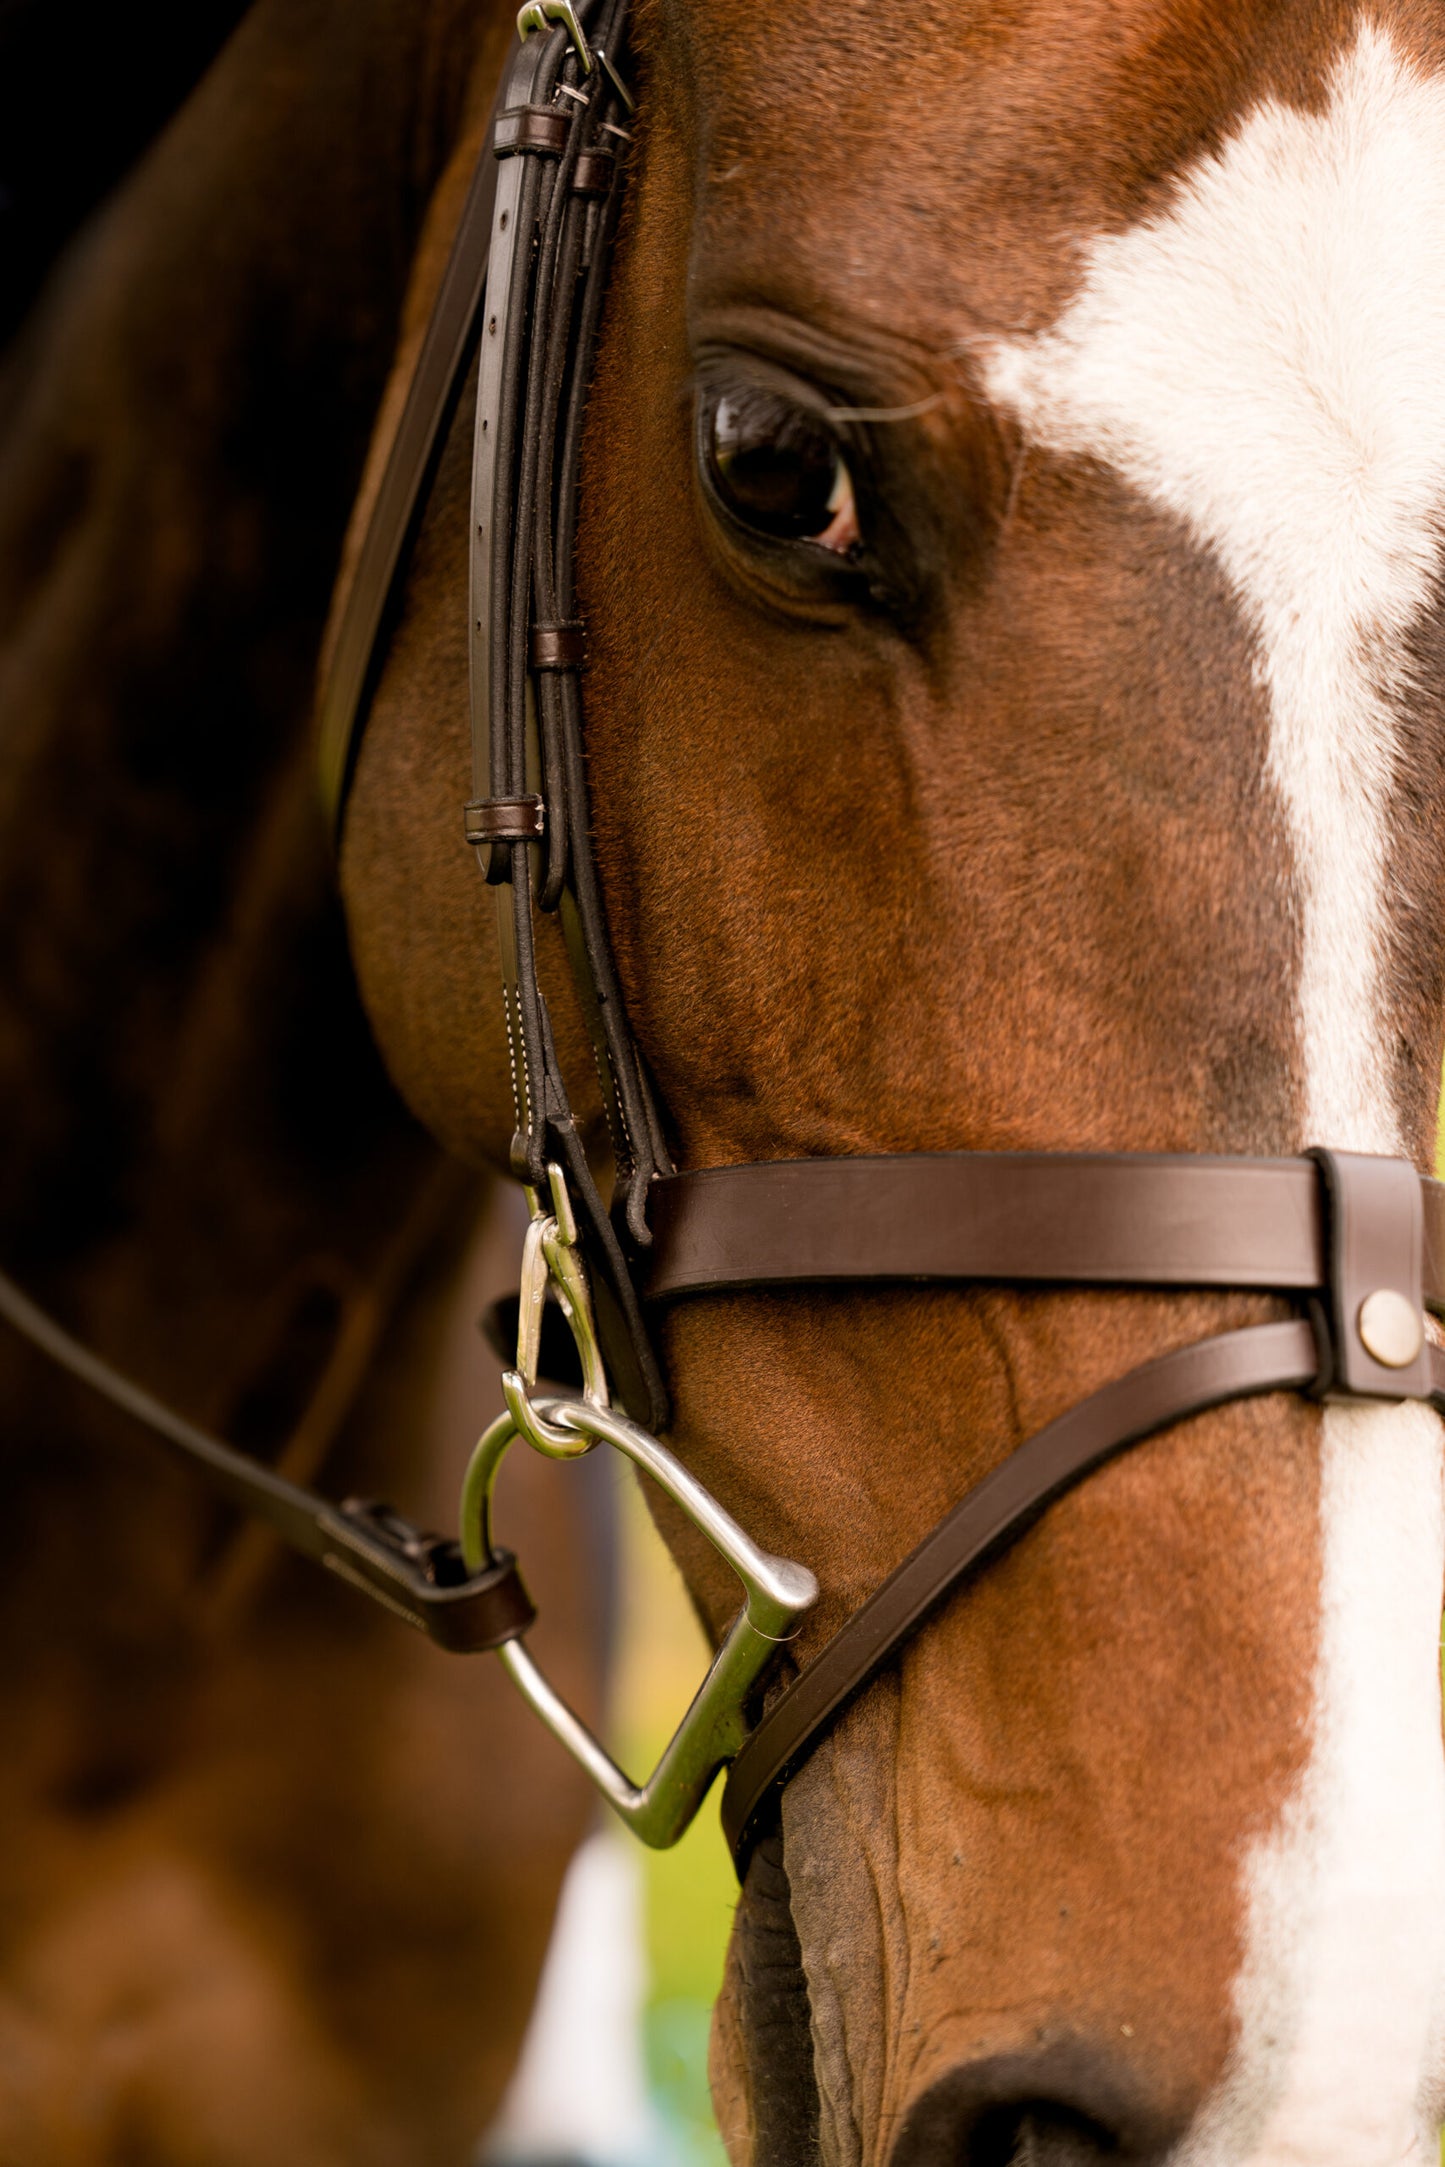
x=776 y=1593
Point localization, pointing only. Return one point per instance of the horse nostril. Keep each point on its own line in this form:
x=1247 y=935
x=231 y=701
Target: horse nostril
x=1039 y=2135
x=1067 y=2105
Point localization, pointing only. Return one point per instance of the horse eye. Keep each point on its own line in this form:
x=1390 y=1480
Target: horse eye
x=779 y=470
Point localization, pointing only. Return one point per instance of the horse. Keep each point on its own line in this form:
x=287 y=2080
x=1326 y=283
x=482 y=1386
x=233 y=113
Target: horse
x=1009 y=550
x=267 y=1895
x=1008 y=543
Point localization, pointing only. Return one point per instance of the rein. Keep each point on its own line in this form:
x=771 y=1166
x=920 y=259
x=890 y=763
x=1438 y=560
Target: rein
x=1356 y=1243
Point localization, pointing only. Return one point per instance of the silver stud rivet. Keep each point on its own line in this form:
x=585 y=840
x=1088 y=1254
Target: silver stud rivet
x=1391 y=1329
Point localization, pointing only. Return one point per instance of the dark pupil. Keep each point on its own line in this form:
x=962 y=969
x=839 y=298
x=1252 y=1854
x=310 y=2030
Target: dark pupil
x=775 y=466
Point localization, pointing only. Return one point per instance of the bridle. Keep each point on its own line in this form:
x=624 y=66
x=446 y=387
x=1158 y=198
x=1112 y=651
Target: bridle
x=1357 y=1242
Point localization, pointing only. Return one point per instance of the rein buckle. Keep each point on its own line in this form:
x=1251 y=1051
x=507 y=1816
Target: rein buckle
x=539 y=14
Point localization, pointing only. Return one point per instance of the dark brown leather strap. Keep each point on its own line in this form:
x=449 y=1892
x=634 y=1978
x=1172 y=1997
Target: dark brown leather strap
x=430 y=401
x=418 y=1577
x=549 y=254
x=1030 y=1217
x=1235 y=1365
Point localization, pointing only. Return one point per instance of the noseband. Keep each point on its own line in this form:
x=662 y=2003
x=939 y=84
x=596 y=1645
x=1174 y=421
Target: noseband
x=1355 y=1244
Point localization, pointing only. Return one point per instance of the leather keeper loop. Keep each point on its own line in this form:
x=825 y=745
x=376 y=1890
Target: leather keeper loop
x=532 y=127
x=1377 y=1315
x=505 y=820
x=592 y=175
x=484 y=1612
x=558 y=647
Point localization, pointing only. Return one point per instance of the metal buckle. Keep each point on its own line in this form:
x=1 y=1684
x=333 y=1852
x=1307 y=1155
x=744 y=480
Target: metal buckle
x=776 y=1591
x=624 y=95
x=538 y=14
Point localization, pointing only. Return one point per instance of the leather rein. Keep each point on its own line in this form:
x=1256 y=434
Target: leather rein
x=1356 y=1244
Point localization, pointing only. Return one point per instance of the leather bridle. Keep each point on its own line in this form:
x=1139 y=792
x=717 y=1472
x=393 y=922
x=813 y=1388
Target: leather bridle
x=1356 y=1244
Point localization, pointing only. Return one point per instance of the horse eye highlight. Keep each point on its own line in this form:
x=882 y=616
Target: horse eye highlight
x=780 y=471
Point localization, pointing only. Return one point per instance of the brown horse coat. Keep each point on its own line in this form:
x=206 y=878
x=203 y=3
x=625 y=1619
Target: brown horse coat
x=1108 y=816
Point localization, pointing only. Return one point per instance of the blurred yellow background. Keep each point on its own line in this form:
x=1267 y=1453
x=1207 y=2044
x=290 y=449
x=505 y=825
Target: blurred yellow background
x=690 y=1890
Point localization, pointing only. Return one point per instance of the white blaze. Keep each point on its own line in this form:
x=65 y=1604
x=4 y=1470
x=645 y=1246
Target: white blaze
x=1266 y=359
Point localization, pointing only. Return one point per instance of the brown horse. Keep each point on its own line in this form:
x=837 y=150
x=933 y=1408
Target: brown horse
x=1011 y=553
x=1032 y=738
x=265 y=1897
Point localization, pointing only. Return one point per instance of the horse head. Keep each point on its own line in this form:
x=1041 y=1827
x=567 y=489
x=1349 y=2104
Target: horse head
x=1010 y=550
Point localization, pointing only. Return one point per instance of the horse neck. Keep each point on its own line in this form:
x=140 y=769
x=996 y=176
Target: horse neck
x=207 y=1172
